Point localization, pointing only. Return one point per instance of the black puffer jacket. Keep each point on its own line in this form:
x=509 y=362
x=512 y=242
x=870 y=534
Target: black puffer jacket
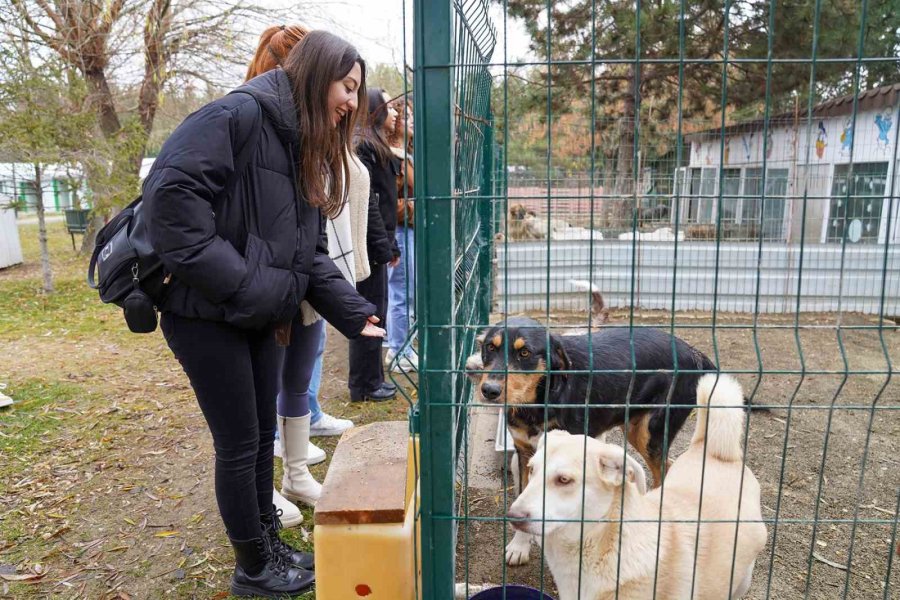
x=381 y=242
x=251 y=257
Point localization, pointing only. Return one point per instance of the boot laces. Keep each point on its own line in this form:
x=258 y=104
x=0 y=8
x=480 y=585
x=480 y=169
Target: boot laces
x=272 y=527
x=277 y=562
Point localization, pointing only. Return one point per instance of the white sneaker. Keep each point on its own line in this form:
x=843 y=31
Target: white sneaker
x=328 y=425
x=290 y=514
x=405 y=365
x=388 y=357
x=316 y=455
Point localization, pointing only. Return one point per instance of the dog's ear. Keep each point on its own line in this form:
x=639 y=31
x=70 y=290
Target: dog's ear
x=613 y=465
x=559 y=361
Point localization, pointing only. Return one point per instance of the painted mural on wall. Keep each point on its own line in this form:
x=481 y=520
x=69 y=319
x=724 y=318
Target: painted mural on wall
x=821 y=140
x=847 y=137
x=883 y=124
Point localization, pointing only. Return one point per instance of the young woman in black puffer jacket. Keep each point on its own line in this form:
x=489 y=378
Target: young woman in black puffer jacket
x=242 y=259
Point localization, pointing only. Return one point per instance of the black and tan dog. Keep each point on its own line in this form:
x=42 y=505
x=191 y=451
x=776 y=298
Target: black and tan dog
x=536 y=374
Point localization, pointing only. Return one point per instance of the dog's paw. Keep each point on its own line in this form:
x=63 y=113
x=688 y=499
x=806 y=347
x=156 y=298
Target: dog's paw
x=474 y=367
x=517 y=549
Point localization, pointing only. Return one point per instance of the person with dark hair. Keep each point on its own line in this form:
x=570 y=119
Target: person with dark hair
x=366 y=380
x=402 y=278
x=299 y=413
x=242 y=246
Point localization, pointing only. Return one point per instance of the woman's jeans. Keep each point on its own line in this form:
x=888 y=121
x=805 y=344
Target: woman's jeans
x=234 y=373
x=301 y=370
x=401 y=291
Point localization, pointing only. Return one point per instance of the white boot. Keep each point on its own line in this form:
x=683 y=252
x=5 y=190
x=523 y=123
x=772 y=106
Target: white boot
x=290 y=514
x=297 y=484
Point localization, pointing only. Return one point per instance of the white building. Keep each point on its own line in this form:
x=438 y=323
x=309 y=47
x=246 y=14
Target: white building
x=63 y=187
x=838 y=165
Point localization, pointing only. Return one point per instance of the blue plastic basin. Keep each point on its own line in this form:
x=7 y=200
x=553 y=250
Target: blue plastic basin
x=513 y=592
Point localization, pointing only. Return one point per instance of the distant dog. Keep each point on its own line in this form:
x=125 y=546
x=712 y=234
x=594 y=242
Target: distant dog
x=517 y=354
x=524 y=224
x=582 y=479
x=520 y=223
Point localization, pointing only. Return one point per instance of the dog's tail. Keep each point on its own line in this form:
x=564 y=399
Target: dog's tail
x=598 y=306
x=725 y=430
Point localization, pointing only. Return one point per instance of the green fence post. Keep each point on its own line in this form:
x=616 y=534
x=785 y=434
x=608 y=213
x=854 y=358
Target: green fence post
x=435 y=218
x=485 y=217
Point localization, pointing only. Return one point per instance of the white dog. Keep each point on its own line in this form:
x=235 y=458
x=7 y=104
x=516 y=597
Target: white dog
x=577 y=467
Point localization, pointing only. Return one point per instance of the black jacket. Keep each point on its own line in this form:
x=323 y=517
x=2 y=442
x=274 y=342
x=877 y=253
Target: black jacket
x=380 y=239
x=249 y=257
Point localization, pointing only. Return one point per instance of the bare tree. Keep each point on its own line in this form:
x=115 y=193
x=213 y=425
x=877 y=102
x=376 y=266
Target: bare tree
x=200 y=39
x=42 y=228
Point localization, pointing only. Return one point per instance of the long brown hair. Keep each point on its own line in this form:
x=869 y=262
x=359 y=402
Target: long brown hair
x=274 y=45
x=373 y=131
x=318 y=60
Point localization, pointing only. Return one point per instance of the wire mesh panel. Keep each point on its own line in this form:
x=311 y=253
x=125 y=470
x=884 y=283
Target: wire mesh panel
x=454 y=149
x=664 y=190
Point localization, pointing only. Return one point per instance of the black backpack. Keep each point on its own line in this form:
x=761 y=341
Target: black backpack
x=129 y=273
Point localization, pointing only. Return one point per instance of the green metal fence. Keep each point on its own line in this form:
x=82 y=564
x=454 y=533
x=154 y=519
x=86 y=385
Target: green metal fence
x=454 y=153
x=671 y=151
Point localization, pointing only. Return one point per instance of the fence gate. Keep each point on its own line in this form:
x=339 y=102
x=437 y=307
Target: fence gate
x=726 y=172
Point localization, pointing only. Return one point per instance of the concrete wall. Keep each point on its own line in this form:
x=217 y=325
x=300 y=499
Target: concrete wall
x=527 y=272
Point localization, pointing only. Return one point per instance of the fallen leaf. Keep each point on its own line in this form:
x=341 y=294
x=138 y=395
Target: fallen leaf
x=165 y=534
x=830 y=563
x=21 y=576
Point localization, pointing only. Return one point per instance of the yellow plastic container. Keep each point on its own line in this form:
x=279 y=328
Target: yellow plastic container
x=366 y=536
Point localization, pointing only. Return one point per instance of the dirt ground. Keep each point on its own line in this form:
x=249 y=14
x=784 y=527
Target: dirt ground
x=804 y=430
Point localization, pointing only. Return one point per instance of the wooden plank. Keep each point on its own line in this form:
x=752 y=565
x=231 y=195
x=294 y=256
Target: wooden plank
x=366 y=481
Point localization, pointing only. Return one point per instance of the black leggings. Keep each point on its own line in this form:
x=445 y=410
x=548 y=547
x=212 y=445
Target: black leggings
x=234 y=373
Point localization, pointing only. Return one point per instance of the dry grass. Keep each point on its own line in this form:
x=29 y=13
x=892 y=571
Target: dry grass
x=106 y=476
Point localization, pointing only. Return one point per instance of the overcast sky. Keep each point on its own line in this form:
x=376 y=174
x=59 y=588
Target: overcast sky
x=376 y=27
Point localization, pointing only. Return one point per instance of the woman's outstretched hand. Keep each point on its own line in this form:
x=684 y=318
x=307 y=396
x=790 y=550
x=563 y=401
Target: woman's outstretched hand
x=372 y=330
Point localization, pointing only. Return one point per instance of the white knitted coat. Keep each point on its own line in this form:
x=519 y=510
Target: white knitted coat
x=347 y=233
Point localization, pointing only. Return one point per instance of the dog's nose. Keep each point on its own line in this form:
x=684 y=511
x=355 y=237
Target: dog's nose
x=491 y=391
x=517 y=518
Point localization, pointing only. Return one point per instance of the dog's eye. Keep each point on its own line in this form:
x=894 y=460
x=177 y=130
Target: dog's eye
x=563 y=480
x=491 y=347
x=523 y=353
